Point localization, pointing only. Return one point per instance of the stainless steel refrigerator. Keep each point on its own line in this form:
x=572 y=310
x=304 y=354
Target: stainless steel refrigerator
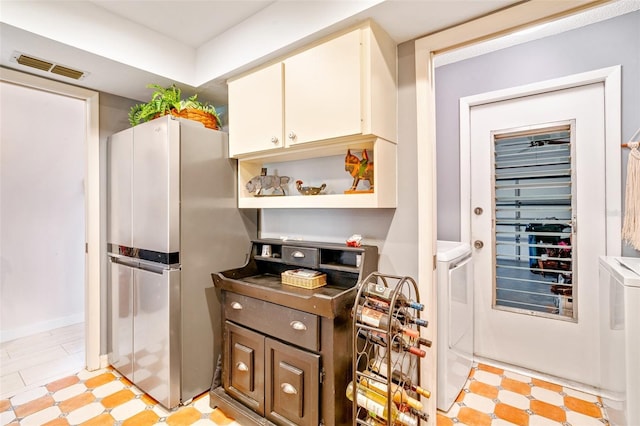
x=172 y=220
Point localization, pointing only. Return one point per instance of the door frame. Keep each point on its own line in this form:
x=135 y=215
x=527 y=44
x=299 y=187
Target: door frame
x=92 y=201
x=611 y=77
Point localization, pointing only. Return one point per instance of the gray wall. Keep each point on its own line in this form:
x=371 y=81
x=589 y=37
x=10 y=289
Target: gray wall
x=394 y=231
x=608 y=43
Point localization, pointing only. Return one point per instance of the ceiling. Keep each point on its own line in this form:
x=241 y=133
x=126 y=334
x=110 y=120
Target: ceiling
x=124 y=45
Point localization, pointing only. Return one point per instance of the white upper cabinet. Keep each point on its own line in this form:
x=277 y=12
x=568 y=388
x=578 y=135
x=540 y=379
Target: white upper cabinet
x=323 y=91
x=298 y=118
x=341 y=88
x=256 y=111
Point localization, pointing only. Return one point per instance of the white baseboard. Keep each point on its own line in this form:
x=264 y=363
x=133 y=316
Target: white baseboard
x=28 y=330
x=104 y=361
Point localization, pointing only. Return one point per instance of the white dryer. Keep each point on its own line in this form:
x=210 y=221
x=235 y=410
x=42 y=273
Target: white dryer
x=620 y=339
x=455 y=320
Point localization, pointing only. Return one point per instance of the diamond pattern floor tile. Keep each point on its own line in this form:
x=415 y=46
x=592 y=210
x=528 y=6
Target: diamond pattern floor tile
x=102 y=398
x=495 y=397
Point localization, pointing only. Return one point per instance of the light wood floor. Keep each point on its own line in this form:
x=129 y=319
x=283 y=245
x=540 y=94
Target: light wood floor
x=36 y=360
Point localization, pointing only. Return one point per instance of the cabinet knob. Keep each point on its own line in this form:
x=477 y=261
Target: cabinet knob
x=287 y=388
x=297 y=325
x=274 y=140
x=478 y=244
x=292 y=135
x=297 y=254
x=236 y=306
x=241 y=366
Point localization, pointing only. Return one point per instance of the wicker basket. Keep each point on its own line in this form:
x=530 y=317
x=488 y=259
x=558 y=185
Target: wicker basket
x=291 y=278
x=208 y=119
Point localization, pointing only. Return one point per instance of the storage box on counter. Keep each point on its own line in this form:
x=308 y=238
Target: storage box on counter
x=304 y=278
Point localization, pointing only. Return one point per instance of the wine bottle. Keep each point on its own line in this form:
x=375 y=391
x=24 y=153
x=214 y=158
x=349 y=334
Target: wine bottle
x=398 y=393
x=400 y=314
x=421 y=341
x=398 y=377
x=377 y=405
x=397 y=344
x=405 y=408
x=405 y=317
x=382 y=321
x=380 y=291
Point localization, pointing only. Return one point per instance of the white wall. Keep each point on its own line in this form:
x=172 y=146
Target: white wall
x=42 y=218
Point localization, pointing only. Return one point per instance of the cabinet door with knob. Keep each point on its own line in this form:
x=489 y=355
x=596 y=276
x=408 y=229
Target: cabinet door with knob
x=293 y=384
x=244 y=366
x=256 y=111
x=323 y=91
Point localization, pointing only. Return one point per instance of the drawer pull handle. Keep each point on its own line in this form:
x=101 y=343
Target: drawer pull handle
x=297 y=254
x=297 y=325
x=287 y=388
x=236 y=306
x=241 y=366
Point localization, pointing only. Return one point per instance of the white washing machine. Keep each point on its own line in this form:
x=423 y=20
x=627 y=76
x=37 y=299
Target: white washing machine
x=620 y=339
x=455 y=319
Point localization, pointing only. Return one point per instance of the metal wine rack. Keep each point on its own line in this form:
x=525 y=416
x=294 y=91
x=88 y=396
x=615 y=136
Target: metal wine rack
x=373 y=348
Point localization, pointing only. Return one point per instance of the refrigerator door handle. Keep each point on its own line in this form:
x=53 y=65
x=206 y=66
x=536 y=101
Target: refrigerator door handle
x=124 y=260
x=156 y=268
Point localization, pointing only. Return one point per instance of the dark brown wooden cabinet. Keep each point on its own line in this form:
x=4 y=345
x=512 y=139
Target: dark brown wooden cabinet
x=287 y=350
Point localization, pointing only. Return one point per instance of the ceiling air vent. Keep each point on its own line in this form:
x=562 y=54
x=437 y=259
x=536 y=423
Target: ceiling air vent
x=34 y=62
x=41 y=64
x=67 y=72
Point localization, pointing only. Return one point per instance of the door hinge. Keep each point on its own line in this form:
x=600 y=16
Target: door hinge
x=435 y=262
x=322 y=374
x=86 y=248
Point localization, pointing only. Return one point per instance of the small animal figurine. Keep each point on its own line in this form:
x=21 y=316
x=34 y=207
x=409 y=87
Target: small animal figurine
x=264 y=182
x=360 y=169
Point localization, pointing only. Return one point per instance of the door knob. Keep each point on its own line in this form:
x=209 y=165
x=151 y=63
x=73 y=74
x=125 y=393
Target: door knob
x=478 y=244
x=478 y=211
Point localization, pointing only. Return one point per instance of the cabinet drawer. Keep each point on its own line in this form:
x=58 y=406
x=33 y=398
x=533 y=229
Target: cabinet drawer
x=300 y=256
x=299 y=328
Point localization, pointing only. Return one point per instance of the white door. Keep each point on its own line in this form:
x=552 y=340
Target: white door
x=560 y=210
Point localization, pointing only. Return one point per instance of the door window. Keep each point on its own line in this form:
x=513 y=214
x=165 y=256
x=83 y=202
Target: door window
x=533 y=205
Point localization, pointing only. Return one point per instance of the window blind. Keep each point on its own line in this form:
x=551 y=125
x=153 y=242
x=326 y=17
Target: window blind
x=533 y=204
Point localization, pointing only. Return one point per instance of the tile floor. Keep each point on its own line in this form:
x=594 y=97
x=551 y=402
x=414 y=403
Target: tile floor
x=41 y=358
x=102 y=398
x=497 y=397
x=39 y=390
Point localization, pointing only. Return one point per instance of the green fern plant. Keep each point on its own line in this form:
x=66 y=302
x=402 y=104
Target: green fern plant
x=165 y=99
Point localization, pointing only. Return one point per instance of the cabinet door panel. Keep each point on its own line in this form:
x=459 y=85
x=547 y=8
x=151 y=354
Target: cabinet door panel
x=293 y=385
x=323 y=88
x=255 y=111
x=244 y=366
